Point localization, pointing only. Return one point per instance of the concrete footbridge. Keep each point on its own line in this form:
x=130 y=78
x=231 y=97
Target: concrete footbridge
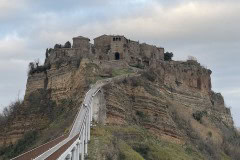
x=73 y=146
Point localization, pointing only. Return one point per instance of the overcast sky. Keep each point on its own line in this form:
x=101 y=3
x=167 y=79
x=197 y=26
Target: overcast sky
x=205 y=29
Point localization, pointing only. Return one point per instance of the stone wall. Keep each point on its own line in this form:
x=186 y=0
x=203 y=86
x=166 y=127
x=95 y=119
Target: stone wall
x=107 y=46
x=102 y=41
x=81 y=42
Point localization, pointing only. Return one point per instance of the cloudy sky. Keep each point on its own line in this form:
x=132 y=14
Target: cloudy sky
x=205 y=29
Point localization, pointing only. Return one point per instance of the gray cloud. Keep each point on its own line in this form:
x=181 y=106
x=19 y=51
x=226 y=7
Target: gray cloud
x=208 y=30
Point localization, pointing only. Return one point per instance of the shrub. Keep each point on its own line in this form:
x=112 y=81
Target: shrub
x=210 y=134
x=138 y=65
x=10 y=112
x=34 y=67
x=142 y=150
x=135 y=82
x=168 y=56
x=40 y=103
x=198 y=115
x=149 y=75
x=57 y=46
x=13 y=150
x=67 y=45
x=140 y=114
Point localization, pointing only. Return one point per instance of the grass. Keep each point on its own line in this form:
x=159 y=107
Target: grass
x=118 y=72
x=127 y=152
x=224 y=157
x=135 y=143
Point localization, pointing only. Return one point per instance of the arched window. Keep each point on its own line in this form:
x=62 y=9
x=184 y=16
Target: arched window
x=117 y=56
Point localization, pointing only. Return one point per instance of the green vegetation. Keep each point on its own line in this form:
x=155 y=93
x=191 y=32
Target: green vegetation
x=55 y=121
x=225 y=157
x=198 y=115
x=143 y=116
x=11 y=151
x=168 y=56
x=149 y=75
x=35 y=67
x=118 y=72
x=135 y=143
x=140 y=66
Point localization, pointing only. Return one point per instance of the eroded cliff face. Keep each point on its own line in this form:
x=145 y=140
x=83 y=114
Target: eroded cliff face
x=174 y=102
x=47 y=96
x=185 y=84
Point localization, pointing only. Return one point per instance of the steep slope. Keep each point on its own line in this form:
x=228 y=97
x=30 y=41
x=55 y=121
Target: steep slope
x=51 y=102
x=165 y=111
x=169 y=112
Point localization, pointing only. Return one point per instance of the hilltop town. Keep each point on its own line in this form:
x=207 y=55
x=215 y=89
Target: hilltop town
x=149 y=107
x=108 y=47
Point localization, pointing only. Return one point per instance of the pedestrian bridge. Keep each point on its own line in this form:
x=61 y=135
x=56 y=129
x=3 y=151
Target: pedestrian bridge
x=73 y=146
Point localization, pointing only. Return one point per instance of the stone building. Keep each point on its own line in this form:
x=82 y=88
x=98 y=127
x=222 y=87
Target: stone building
x=116 y=47
x=109 y=48
x=80 y=41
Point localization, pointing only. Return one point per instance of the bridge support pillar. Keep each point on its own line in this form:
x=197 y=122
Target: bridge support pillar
x=73 y=152
x=69 y=156
x=77 y=151
x=82 y=145
x=85 y=138
x=89 y=124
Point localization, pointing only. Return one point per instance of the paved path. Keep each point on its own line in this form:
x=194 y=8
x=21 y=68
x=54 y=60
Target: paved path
x=77 y=124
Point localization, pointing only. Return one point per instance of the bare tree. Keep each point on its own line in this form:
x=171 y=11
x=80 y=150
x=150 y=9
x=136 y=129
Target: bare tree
x=37 y=62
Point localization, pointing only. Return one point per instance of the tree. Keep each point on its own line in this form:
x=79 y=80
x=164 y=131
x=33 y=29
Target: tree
x=47 y=53
x=168 y=56
x=57 y=46
x=67 y=45
x=37 y=61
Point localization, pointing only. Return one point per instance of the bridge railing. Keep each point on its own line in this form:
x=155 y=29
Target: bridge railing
x=72 y=146
x=76 y=148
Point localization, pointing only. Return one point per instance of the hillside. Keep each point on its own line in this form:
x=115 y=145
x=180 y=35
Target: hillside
x=153 y=109
x=166 y=114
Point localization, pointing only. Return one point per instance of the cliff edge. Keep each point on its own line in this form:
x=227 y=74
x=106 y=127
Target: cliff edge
x=160 y=109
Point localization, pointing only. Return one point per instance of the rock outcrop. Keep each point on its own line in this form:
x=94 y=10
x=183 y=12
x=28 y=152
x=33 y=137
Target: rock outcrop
x=172 y=100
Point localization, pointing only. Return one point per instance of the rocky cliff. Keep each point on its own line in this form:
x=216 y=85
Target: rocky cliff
x=172 y=102
x=164 y=111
